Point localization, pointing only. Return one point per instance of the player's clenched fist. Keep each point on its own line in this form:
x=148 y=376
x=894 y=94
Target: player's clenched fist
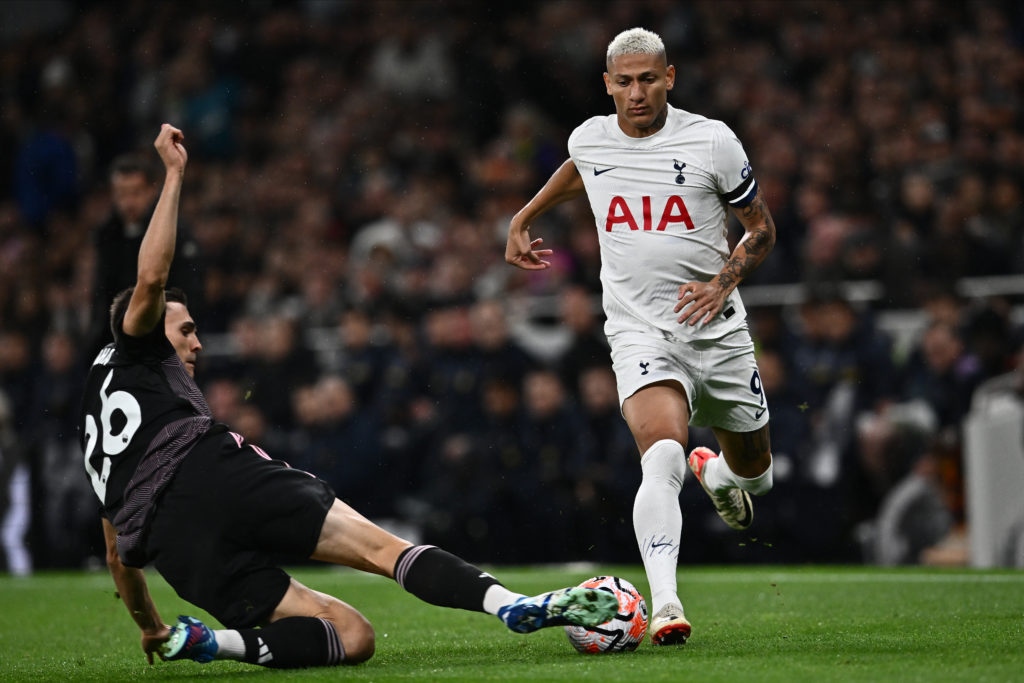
x=169 y=145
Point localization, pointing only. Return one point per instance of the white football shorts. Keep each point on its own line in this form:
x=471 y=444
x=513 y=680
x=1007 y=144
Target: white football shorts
x=720 y=376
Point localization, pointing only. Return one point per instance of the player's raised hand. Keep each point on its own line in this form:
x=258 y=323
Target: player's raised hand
x=522 y=252
x=169 y=145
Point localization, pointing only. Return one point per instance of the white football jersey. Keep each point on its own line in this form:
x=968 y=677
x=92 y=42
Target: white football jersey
x=660 y=208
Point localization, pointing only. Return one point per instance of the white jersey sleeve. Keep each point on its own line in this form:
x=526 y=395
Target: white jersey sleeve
x=732 y=168
x=660 y=210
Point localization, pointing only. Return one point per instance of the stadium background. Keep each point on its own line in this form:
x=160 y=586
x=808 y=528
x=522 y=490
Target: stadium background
x=353 y=166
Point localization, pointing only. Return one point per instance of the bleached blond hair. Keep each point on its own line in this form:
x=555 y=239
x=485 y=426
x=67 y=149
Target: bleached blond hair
x=635 y=41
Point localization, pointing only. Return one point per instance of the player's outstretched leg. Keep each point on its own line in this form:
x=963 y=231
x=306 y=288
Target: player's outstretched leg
x=568 y=606
x=440 y=578
x=191 y=639
x=669 y=626
x=733 y=504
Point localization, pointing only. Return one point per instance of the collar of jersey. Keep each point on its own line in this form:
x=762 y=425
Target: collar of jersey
x=651 y=140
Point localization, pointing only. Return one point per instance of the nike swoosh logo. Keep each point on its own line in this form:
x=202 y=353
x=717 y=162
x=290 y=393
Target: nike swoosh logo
x=748 y=514
x=659 y=545
x=604 y=170
x=758 y=414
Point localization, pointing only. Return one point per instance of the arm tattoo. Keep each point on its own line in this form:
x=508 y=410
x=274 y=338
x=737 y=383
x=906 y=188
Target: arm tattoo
x=755 y=245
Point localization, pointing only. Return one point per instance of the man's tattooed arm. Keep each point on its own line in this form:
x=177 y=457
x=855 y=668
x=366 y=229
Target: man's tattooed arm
x=757 y=241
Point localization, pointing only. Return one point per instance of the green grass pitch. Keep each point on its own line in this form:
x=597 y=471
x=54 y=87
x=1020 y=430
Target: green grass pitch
x=750 y=623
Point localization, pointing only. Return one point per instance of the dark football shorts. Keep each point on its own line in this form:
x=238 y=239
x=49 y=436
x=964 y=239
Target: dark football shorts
x=224 y=522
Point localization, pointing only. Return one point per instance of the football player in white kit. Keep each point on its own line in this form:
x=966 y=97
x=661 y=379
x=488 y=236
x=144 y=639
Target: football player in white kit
x=660 y=182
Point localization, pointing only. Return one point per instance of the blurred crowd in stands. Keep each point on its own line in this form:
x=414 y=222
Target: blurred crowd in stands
x=353 y=168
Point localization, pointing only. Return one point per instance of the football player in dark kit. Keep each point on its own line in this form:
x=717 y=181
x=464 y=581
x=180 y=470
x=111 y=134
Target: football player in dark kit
x=210 y=511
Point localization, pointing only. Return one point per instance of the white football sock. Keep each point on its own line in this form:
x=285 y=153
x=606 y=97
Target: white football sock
x=718 y=476
x=657 y=519
x=229 y=645
x=759 y=485
x=497 y=596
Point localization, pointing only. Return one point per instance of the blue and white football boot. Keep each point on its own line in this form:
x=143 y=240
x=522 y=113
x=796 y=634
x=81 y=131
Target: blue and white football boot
x=191 y=639
x=569 y=606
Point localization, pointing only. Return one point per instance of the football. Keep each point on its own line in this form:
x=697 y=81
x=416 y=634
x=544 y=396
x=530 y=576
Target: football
x=621 y=634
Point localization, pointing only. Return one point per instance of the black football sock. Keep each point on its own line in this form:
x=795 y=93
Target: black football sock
x=440 y=578
x=292 y=643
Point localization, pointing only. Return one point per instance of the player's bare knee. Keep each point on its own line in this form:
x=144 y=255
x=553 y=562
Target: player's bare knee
x=646 y=442
x=650 y=432
x=359 y=641
x=657 y=412
x=355 y=631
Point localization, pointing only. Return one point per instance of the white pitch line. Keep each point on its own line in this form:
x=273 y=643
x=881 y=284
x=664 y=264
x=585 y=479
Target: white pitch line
x=856 y=577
